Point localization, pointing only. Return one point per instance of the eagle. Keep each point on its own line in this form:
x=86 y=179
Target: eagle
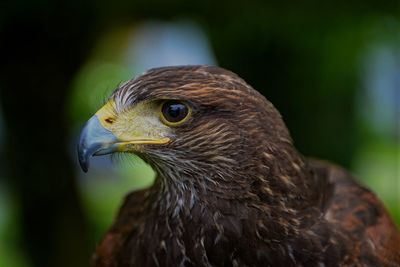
x=231 y=188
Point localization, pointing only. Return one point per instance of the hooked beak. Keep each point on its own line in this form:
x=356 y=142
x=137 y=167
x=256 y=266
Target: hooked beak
x=95 y=140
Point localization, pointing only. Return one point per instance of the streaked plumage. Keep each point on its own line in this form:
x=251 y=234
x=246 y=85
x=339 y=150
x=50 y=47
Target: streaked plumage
x=232 y=190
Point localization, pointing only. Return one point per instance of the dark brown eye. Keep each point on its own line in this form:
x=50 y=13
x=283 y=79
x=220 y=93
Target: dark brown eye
x=174 y=111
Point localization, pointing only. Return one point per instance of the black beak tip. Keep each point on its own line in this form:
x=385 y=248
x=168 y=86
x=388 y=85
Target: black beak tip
x=84 y=166
x=83 y=160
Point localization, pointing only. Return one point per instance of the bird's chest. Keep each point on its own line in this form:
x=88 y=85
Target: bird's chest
x=201 y=237
x=196 y=239
x=178 y=242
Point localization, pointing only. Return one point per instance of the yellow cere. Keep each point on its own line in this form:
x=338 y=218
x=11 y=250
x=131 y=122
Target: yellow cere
x=140 y=124
x=107 y=114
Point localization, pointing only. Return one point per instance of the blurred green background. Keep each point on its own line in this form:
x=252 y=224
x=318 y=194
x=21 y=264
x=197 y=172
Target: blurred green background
x=331 y=68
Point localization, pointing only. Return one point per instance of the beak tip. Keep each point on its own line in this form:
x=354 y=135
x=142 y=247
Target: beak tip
x=83 y=161
x=84 y=167
x=94 y=137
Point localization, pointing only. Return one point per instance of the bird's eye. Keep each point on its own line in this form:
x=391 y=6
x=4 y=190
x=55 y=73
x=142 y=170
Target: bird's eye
x=174 y=112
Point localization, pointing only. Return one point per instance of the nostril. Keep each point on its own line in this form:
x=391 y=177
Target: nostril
x=109 y=120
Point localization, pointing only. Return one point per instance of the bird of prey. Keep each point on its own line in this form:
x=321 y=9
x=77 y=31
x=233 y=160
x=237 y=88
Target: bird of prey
x=231 y=189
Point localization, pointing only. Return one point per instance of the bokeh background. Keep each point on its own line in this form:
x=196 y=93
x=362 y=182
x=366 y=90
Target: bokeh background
x=331 y=68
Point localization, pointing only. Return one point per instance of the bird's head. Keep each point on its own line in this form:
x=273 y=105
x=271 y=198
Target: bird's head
x=185 y=121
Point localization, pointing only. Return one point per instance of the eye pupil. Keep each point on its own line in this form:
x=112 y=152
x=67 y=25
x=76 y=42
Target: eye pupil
x=174 y=111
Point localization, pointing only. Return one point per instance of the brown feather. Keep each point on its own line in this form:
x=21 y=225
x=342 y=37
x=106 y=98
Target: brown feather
x=233 y=191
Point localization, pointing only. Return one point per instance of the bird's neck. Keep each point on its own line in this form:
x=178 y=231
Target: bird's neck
x=273 y=178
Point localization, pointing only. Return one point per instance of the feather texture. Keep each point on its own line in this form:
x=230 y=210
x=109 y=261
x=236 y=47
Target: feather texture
x=232 y=190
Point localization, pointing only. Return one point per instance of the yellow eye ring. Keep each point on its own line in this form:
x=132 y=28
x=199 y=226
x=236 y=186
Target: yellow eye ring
x=174 y=112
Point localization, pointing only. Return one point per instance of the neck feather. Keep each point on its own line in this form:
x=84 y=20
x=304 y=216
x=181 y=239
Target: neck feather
x=272 y=178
